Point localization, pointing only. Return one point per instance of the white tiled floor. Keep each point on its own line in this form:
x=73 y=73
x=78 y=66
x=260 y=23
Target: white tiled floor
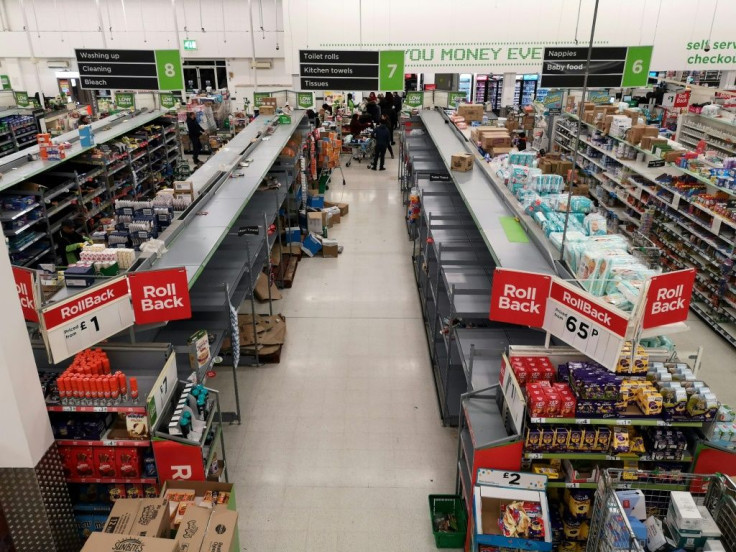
x=342 y=441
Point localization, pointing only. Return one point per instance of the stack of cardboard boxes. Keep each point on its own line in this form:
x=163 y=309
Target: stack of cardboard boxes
x=329 y=151
x=493 y=140
x=552 y=163
x=471 y=112
x=190 y=516
x=327 y=215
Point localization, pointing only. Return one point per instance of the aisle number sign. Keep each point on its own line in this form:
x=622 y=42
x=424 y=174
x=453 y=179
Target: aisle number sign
x=609 y=67
x=304 y=100
x=87 y=318
x=351 y=70
x=414 y=99
x=129 y=69
x=585 y=323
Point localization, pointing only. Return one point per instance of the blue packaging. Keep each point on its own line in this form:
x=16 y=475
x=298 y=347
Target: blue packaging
x=311 y=245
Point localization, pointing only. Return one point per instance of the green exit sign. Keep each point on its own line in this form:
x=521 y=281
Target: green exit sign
x=190 y=44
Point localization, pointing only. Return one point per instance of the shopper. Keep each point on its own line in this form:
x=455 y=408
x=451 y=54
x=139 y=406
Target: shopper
x=83 y=120
x=374 y=110
x=382 y=136
x=386 y=121
x=351 y=103
x=387 y=108
x=327 y=107
x=357 y=126
x=194 y=131
x=398 y=101
x=68 y=243
x=521 y=141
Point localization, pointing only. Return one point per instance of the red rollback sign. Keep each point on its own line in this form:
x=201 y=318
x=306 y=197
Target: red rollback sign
x=83 y=303
x=668 y=298
x=519 y=297
x=160 y=295
x=178 y=461
x=24 y=285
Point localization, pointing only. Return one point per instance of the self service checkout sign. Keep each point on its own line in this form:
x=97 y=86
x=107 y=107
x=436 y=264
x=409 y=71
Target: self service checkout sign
x=130 y=69
x=610 y=67
x=351 y=69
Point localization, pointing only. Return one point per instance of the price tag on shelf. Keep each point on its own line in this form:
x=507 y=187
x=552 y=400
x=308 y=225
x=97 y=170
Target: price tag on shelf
x=501 y=478
x=99 y=409
x=108 y=443
x=87 y=318
x=534 y=455
x=68 y=409
x=611 y=457
x=513 y=395
x=582 y=421
x=585 y=323
x=623 y=422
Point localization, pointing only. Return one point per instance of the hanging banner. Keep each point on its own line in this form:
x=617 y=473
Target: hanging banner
x=25 y=286
x=168 y=101
x=609 y=67
x=160 y=295
x=130 y=69
x=553 y=101
x=519 y=297
x=414 y=99
x=125 y=100
x=258 y=98
x=351 y=70
x=304 y=100
x=668 y=298
x=454 y=98
x=21 y=98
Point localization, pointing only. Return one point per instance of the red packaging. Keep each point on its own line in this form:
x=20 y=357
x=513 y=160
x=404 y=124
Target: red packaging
x=553 y=404
x=549 y=373
x=83 y=462
x=535 y=374
x=567 y=406
x=105 y=464
x=128 y=462
x=521 y=374
x=537 y=405
x=67 y=460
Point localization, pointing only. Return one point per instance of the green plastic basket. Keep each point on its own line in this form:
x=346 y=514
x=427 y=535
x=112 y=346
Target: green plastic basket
x=448 y=504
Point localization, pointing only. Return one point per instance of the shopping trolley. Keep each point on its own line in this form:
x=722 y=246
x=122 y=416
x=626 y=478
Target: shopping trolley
x=610 y=530
x=363 y=147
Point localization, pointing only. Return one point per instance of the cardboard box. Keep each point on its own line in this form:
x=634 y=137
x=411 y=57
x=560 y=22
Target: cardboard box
x=651 y=130
x=461 y=162
x=109 y=542
x=633 y=503
x=329 y=248
x=685 y=511
x=311 y=245
x=476 y=132
x=193 y=526
x=314 y=222
x=122 y=517
x=221 y=532
x=563 y=167
x=489 y=141
x=152 y=519
x=500 y=150
x=634 y=115
x=634 y=134
x=344 y=207
x=512 y=124
x=471 y=112
x=266 y=110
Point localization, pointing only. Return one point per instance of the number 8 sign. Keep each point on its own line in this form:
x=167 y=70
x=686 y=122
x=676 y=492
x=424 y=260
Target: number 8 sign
x=168 y=67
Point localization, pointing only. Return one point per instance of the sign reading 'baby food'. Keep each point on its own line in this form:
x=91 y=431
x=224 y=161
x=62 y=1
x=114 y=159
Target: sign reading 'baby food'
x=160 y=295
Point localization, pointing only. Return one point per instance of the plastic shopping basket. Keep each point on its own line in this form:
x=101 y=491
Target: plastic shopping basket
x=448 y=504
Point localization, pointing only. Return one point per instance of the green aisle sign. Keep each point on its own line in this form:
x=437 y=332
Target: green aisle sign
x=636 y=70
x=304 y=100
x=391 y=70
x=125 y=100
x=168 y=64
x=21 y=99
x=453 y=98
x=5 y=82
x=258 y=98
x=414 y=99
x=168 y=101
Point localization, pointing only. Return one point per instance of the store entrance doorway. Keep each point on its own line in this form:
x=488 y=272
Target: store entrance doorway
x=202 y=73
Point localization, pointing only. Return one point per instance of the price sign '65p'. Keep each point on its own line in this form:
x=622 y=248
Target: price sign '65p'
x=87 y=318
x=585 y=323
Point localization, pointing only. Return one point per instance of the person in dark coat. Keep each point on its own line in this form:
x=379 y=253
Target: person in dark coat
x=357 y=126
x=194 y=131
x=398 y=101
x=375 y=111
x=382 y=135
x=386 y=120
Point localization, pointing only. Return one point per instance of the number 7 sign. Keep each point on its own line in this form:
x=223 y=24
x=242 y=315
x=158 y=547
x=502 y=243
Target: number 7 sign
x=391 y=70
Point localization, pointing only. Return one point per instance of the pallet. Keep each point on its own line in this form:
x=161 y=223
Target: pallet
x=287 y=270
x=271 y=358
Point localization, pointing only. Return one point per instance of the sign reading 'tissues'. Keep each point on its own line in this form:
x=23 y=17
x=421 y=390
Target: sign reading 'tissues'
x=351 y=70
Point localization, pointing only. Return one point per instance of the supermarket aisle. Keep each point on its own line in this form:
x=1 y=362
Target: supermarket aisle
x=342 y=441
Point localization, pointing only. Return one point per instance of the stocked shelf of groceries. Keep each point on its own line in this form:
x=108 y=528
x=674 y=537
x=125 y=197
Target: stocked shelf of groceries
x=688 y=197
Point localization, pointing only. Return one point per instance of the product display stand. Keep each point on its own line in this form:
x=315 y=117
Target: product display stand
x=18 y=129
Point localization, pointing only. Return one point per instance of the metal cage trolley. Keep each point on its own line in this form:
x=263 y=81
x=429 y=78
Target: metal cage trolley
x=610 y=530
